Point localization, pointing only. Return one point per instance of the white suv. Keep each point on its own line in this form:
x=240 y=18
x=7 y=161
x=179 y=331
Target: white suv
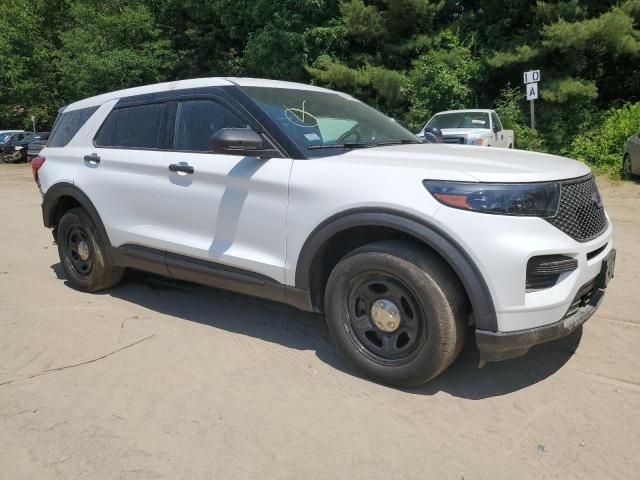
x=307 y=196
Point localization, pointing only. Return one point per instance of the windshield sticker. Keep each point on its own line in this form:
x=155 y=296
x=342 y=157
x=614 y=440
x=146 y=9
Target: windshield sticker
x=479 y=122
x=300 y=117
x=312 y=137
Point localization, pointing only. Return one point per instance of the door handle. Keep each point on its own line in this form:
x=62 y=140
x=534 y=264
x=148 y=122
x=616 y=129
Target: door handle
x=93 y=158
x=176 y=167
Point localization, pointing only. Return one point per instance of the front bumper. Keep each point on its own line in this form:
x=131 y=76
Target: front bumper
x=497 y=346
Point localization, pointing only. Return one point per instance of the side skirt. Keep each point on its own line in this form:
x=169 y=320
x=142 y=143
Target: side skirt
x=208 y=273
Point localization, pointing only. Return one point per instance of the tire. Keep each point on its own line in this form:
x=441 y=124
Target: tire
x=429 y=311
x=626 y=167
x=83 y=254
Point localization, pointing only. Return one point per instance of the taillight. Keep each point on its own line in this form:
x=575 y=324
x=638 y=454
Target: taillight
x=36 y=163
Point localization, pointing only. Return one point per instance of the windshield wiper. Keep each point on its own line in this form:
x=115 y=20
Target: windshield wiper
x=363 y=145
x=397 y=142
x=342 y=145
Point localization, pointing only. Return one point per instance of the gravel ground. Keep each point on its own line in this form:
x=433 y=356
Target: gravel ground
x=163 y=379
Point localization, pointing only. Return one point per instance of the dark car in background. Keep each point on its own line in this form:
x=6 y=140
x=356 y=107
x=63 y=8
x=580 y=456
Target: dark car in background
x=16 y=149
x=631 y=157
x=34 y=147
x=7 y=137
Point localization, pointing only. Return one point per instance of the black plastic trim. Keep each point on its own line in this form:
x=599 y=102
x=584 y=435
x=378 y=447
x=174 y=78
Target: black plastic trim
x=64 y=189
x=208 y=273
x=426 y=232
x=498 y=346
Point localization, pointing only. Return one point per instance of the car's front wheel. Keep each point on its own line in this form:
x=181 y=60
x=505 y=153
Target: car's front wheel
x=83 y=254
x=397 y=312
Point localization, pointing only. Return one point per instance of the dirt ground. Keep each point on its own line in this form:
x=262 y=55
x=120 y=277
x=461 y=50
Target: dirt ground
x=163 y=379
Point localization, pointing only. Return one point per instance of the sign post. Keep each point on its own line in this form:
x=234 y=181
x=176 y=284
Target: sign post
x=531 y=79
x=33 y=121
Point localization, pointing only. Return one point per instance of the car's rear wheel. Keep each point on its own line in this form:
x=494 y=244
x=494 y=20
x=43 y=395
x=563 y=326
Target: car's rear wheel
x=626 y=167
x=83 y=254
x=396 y=312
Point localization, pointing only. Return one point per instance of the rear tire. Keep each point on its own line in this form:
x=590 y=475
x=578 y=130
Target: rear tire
x=83 y=254
x=418 y=296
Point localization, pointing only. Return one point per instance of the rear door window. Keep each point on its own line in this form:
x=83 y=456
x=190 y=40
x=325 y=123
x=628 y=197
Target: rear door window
x=198 y=120
x=68 y=124
x=132 y=127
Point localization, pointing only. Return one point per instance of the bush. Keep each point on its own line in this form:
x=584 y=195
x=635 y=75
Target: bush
x=601 y=147
x=526 y=138
x=511 y=108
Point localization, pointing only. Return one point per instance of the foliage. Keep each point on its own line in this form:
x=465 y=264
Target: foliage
x=441 y=80
x=112 y=45
x=600 y=147
x=409 y=58
x=511 y=107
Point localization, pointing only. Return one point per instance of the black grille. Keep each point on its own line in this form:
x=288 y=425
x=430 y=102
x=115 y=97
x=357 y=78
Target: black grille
x=583 y=298
x=460 y=140
x=581 y=214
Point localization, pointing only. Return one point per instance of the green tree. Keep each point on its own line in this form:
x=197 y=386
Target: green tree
x=112 y=45
x=441 y=80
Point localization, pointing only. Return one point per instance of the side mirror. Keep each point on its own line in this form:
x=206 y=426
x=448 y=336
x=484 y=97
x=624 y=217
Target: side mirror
x=240 y=141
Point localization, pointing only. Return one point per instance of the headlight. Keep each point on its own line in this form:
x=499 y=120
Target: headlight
x=524 y=199
x=18 y=148
x=475 y=141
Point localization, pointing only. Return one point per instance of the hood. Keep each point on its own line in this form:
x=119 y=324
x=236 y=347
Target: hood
x=464 y=131
x=468 y=163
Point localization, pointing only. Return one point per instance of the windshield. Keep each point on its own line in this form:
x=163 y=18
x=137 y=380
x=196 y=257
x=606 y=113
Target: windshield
x=460 y=120
x=325 y=123
x=31 y=137
x=4 y=137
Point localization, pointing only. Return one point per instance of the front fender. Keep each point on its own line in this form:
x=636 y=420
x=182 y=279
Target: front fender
x=422 y=230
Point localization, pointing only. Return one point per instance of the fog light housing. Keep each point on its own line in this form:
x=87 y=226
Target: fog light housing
x=544 y=271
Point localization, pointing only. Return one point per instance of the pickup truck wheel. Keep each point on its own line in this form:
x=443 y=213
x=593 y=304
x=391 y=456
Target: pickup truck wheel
x=395 y=312
x=83 y=255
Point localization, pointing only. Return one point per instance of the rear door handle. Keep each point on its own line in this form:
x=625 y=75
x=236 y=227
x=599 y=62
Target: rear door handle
x=178 y=167
x=93 y=158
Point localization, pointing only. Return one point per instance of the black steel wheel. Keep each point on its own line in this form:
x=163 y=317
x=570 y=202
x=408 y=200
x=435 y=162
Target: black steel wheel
x=385 y=320
x=83 y=253
x=396 y=311
x=79 y=250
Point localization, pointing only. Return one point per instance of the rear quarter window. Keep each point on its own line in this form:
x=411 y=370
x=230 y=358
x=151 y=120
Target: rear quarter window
x=68 y=124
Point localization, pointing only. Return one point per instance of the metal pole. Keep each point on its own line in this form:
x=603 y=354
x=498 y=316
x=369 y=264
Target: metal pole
x=34 y=125
x=533 y=115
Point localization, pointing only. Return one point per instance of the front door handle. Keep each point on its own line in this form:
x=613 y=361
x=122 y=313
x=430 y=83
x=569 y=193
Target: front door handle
x=181 y=167
x=93 y=158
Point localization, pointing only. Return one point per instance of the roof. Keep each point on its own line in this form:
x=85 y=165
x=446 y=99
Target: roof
x=186 y=84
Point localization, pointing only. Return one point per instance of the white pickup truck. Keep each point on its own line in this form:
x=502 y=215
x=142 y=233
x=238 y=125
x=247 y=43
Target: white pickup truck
x=471 y=127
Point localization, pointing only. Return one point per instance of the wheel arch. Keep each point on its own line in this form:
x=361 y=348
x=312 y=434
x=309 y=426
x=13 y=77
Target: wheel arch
x=343 y=232
x=63 y=196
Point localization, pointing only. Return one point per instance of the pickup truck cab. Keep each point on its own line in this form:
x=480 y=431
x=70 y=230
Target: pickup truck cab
x=310 y=197
x=471 y=127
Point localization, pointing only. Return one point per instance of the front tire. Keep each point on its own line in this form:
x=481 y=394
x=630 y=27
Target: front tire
x=396 y=312
x=83 y=254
